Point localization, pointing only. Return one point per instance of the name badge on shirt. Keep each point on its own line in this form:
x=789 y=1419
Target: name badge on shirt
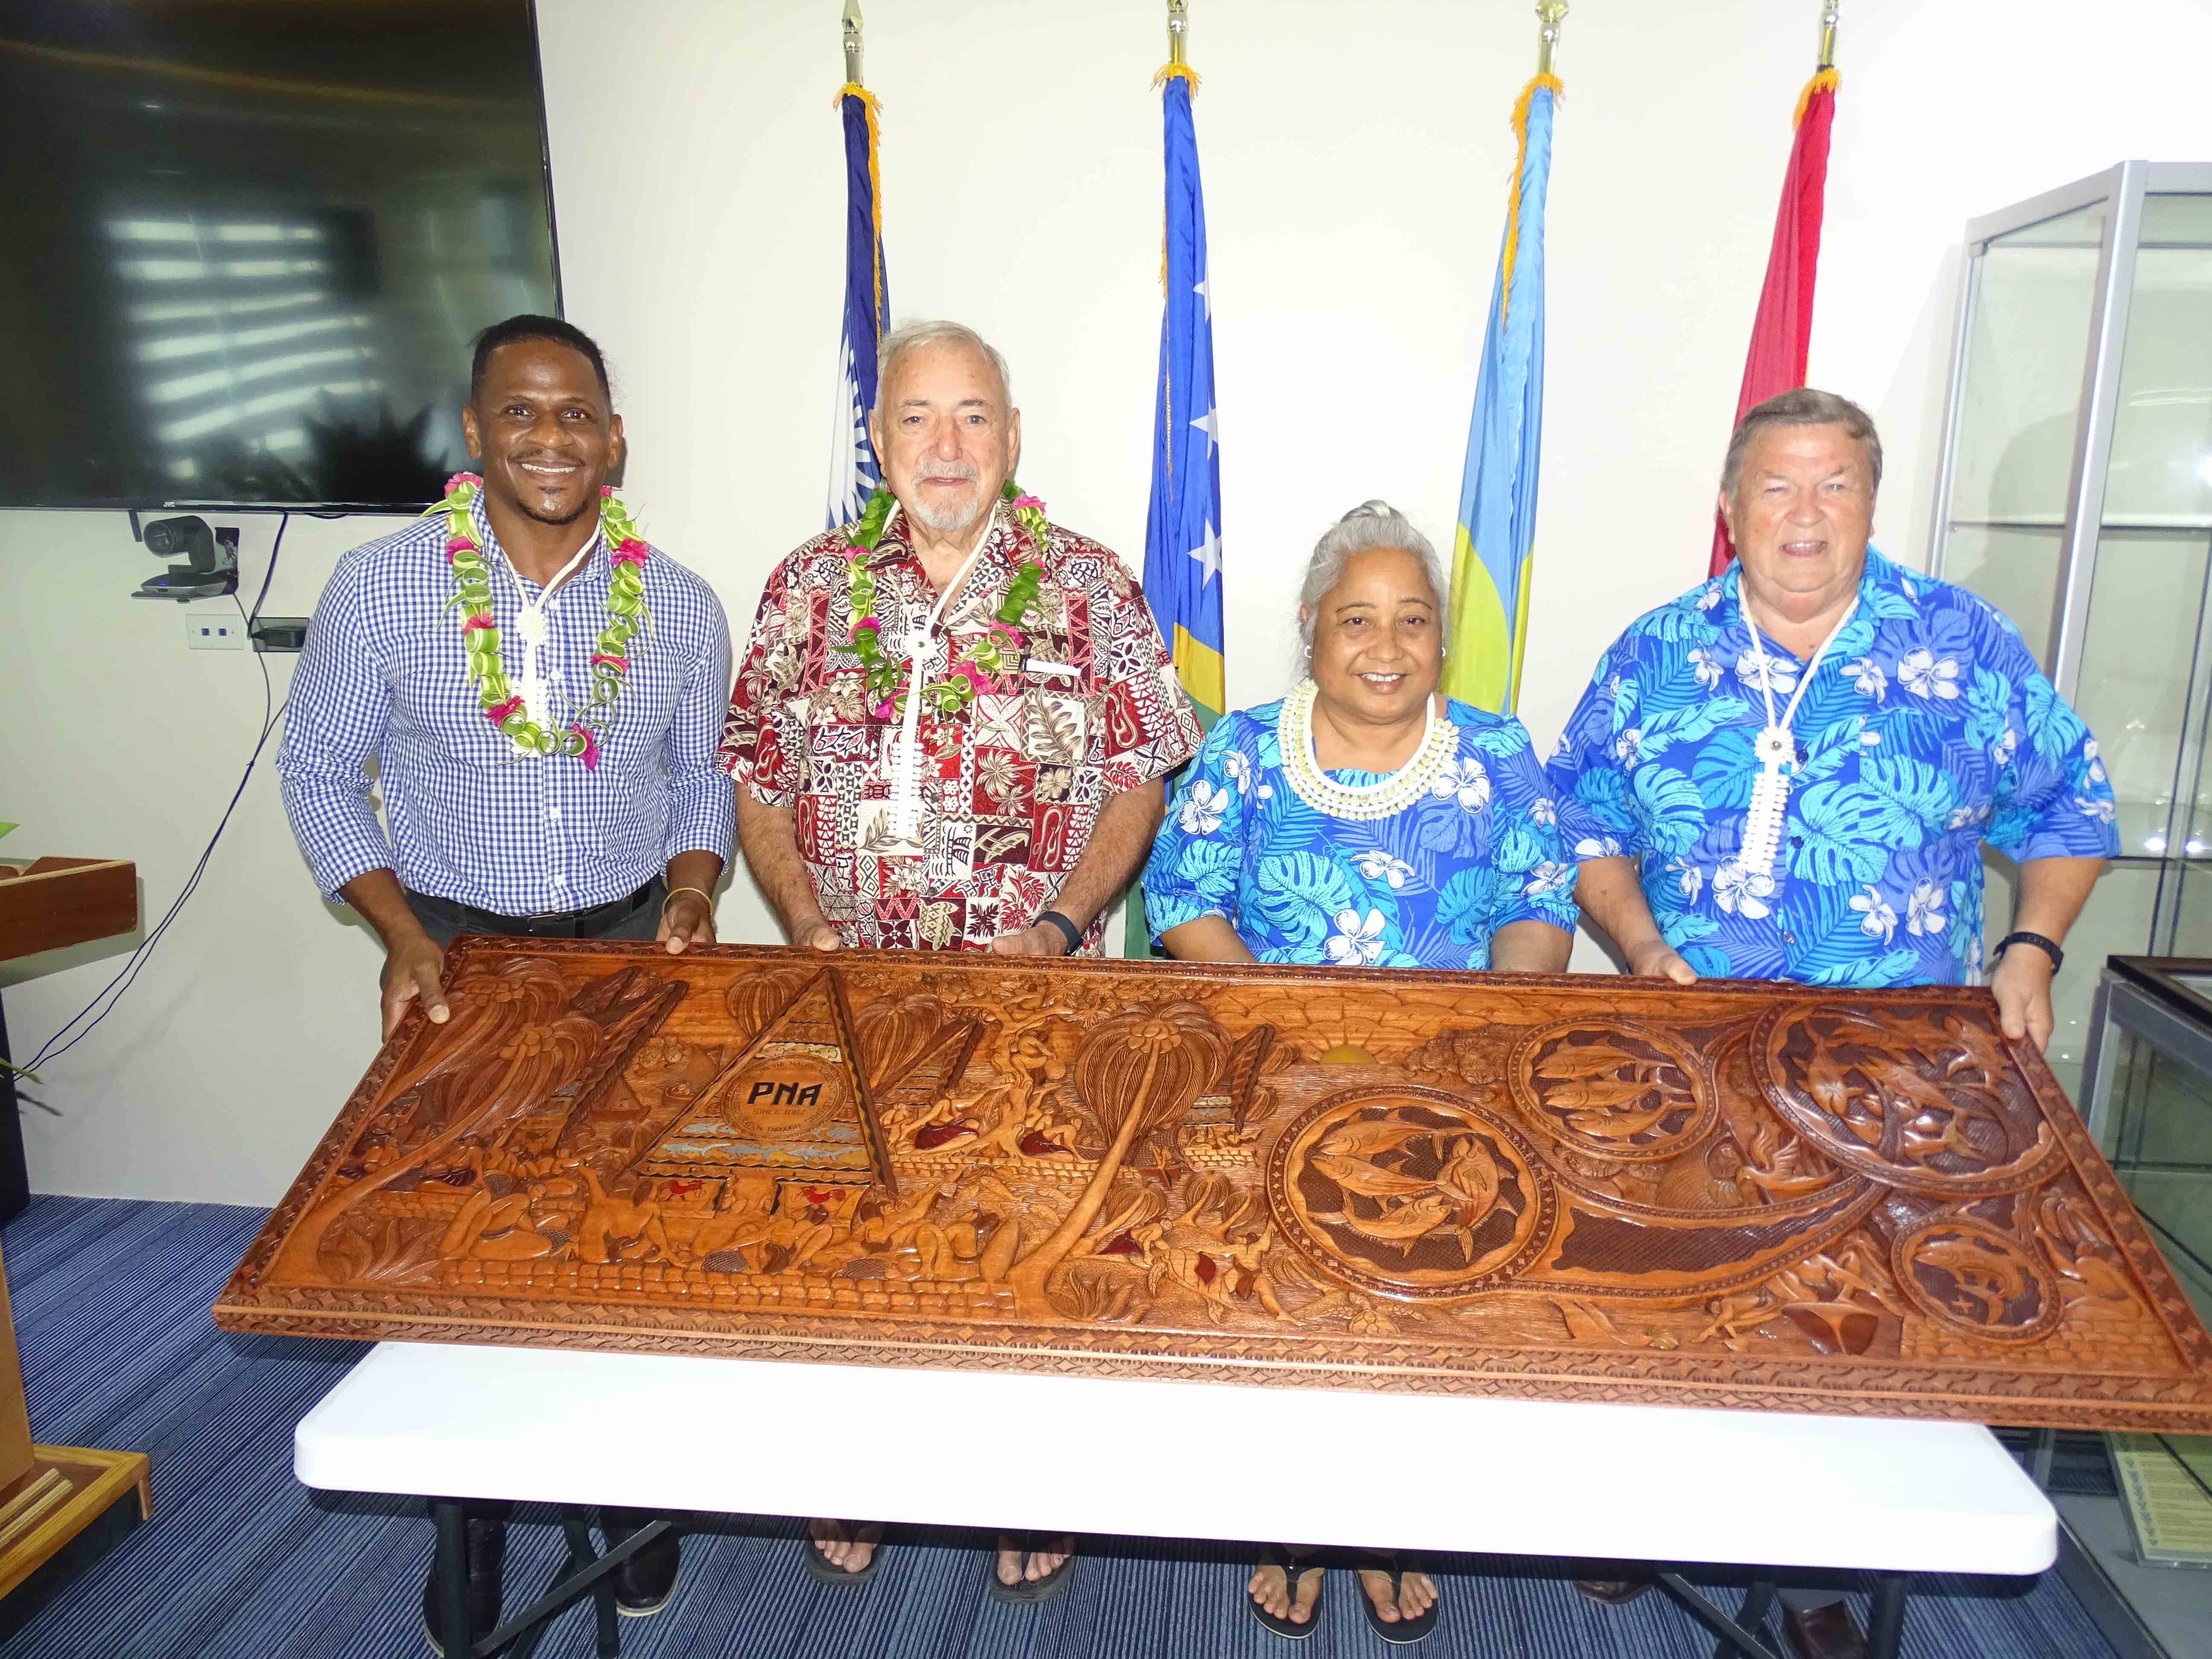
x=1065 y=671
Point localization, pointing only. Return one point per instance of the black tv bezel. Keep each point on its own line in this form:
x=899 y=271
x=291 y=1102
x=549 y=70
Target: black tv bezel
x=333 y=508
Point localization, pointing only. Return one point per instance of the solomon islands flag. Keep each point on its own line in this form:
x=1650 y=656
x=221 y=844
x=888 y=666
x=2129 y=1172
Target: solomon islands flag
x=853 y=473
x=1183 y=537
x=1492 y=556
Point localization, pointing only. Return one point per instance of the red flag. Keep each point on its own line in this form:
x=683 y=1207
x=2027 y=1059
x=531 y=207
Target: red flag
x=1783 y=331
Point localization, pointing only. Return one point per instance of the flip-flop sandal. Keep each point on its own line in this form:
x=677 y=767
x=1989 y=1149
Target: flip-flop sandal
x=1294 y=1568
x=1401 y=1632
x=822 y=1572
x=1032 y=1592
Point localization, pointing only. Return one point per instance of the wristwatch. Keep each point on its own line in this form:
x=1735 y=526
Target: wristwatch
x=1068 y=930
x=2048 y=946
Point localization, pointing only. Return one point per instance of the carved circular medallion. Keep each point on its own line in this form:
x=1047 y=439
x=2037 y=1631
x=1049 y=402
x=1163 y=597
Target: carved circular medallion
x=1976 y=1278
x=783 y=1093
x=1618 y=1089
x=1919 y=1098
x=1411 y=1193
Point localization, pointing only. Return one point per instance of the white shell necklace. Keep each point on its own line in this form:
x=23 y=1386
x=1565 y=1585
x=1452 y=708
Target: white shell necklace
x=535 y=628
x=1385 y=798
x=1776 y=748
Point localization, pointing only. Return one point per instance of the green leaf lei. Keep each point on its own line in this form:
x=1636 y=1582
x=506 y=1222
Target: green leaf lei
x=969 y=671
x=626 y=617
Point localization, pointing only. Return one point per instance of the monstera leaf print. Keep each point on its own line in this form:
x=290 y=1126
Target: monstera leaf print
x=1923 y=795
x=1689 y=724
x=1301 y=894
x=1463 y=909
x=1672 y=810
x=1849 y=830
x=1723 y=770
x=1210 y=867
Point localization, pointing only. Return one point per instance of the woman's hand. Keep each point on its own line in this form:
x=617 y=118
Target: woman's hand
x=1206 y=939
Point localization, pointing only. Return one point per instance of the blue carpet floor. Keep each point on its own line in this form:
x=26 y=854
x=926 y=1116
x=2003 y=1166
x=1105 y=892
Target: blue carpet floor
x=111 y=1301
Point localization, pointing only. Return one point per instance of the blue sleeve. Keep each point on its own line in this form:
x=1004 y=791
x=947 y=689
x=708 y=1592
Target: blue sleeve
x=1589 y=782
x=332 y=721
x=2053 y=798
x=1534 y=873
x=1199 y=852
x=703 y=806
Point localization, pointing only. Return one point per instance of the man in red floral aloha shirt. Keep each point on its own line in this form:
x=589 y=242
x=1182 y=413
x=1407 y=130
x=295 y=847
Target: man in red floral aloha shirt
x=1031 y=806
x=1017 y=802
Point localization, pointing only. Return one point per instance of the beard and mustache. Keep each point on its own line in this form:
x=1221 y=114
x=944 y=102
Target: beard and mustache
x=941 y=515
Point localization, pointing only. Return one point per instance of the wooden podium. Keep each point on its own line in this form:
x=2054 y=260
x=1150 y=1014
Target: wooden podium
x=52 y=1495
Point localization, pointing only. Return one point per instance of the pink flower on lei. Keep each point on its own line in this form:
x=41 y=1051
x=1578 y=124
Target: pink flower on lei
x=478 y=622
x=631 y=551
x=1024 y=503
x=498 y=712
x=460 y=478
x=620 y=665
x=975 y=676
x=591 y=751
x=456 y=544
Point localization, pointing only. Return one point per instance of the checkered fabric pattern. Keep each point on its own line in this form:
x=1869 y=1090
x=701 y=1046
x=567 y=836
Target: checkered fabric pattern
x=472 y=817
x=1011 y=785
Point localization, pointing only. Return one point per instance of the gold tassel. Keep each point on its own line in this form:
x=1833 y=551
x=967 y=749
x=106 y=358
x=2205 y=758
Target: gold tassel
x=1827 y=81
x=1551 y=83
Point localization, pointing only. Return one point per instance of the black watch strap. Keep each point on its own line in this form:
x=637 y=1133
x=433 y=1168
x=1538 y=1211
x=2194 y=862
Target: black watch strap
x=2048 y=946
x=1068 y=930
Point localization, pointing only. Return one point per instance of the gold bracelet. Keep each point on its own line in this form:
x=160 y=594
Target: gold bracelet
x=701 y=892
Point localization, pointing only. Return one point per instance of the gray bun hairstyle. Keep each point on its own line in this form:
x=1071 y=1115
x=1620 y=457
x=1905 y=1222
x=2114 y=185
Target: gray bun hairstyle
x=1370 y=524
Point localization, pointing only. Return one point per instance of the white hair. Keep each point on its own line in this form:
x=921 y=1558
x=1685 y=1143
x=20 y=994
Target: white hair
x=1370 y=524
x=913 y=335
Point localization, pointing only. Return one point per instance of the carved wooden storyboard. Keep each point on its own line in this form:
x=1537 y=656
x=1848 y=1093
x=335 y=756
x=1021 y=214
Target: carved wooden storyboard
x=1582 y=1187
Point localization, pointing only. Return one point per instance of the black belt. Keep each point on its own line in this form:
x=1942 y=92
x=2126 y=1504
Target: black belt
x=563 y=924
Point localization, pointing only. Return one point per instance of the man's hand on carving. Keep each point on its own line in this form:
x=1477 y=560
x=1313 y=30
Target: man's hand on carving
x=1656 y=959
x=821 y=936
x=1039 y=939
x=685 y=920
x=2021 y=985
x=415 y=968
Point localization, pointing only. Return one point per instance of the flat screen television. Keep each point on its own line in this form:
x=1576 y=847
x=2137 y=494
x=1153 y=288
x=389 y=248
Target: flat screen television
x=248 y=242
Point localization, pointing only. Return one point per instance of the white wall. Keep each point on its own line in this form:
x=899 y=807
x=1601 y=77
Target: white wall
x=1355 y=161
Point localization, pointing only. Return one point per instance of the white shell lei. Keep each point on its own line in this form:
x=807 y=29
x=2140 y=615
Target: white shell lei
x=1386 y=797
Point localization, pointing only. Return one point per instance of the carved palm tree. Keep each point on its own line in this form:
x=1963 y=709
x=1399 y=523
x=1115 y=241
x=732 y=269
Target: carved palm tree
x=1137 y=1072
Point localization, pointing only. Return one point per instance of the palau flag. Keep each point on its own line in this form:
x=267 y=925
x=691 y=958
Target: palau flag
x=1183 y=537
x=853 y=473
x=1782 y=332
x=1497 y=492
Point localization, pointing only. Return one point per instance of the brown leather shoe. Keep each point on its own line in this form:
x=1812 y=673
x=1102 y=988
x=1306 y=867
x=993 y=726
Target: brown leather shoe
x=1828 y=1632
x=1613 y=1592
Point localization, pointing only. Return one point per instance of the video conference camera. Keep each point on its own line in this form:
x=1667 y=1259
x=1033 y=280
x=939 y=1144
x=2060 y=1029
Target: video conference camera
x=210 y=567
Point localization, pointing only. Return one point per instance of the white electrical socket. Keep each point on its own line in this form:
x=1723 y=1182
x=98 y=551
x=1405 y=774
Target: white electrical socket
x=207 y=631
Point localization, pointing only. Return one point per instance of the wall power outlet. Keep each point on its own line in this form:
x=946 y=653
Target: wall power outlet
x=206 y=631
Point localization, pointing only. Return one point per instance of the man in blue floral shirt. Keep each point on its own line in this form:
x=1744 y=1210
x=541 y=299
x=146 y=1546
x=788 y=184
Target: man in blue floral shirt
x=1807 y=799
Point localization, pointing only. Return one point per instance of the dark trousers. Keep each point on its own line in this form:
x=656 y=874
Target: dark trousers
x=635 y=918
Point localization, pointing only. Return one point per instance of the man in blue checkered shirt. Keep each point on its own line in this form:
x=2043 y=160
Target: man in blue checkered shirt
x=624 y=838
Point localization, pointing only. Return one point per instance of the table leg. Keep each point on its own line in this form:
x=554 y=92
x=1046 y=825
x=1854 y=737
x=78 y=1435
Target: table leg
x=453 y=1576
x=1752 y=1615
x=602 y=1590
x=1886 y=1621
x=1738 y=1640
x=15 y=1177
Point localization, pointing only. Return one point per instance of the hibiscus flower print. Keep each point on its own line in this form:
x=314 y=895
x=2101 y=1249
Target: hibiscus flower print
x=1202 y=808
x=1237 y=767
x=1866 y=674
x=1762 y=672
x=1378 y=865
x=1547 y=877
x=1591 y=847
x=1707 y=666
x=2101 y=810
x=1711 y=596
x=995 y=772
x=1543 y=810
x=1924 y=674
x=1690 y=878
x=2001 y=752
x=1356 y=942
x=1923 y=911
x=1742 y=892
x=1877 y=916
x=1625 y=745
x=1466 y=778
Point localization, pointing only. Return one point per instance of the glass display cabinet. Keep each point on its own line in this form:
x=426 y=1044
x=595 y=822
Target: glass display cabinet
x=2136 y=1542
x=2075 y=495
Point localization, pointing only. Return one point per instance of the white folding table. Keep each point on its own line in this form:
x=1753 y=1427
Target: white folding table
x=1489 y=1476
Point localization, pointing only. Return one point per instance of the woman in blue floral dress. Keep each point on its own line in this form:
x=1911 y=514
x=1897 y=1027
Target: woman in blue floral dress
x=1365 y=819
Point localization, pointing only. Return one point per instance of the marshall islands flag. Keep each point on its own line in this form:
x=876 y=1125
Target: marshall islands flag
x=1498 y=493
x=1182 y=538
x=853 y=473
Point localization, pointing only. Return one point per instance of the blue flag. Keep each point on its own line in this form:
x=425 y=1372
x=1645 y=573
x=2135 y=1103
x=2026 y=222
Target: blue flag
x=854 y=472
x=1490 y=560
x=1182 y=538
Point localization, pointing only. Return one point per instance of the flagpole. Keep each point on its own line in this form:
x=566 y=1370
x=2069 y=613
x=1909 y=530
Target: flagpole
x=852 y=25
x=1829 y=10
x=1178 y=26
x=1549 y=14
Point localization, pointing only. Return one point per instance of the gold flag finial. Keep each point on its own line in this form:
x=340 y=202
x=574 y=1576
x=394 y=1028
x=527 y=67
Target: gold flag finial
x=1178 y=26
x=852 y=23
x=1829 y=9
x=1548 y=12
